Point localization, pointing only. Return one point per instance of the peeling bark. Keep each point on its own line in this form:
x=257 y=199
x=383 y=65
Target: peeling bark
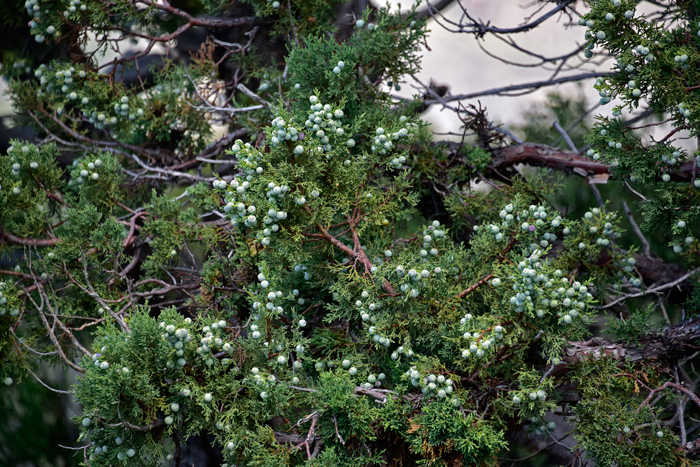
x=662 y=349
x=542 y=155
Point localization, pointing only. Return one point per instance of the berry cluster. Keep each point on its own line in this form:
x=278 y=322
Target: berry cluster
x=324 y=122
x=413 y=281
x=401 y=350
x=83 y=171
x=263 y=382
x=38 y=26
x=539 y=428
x=382 y=143
x=360 y=23
x=236 y=197
x=432 y=385
x=374 y=380
x=214 y=339
x=479 y=342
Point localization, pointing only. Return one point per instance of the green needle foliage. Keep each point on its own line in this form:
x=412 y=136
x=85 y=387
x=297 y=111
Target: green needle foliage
x=293 y=299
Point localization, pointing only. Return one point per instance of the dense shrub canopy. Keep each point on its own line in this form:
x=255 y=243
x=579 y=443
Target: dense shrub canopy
x=251 y=239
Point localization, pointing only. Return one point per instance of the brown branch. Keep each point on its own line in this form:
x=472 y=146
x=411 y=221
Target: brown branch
x=66 y=330
x=664 y=348
x=212 y=22
x=129 y=267
x=5 y=272
x=692 y=446
x=542 y=155
x=545 y=156
x=202 y=21
x=666 y=385
x=155 y=424
x=87 y=325
x=132 y=226
x=376 y=394
x=29 y=241
x=288 y=438
x=309 y=439
x=474 y=286
x=358 y=255
x=165 y=290
x=362 y=256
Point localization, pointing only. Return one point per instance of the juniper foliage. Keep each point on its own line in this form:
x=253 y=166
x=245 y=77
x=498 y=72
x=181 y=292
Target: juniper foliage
x=280 y=286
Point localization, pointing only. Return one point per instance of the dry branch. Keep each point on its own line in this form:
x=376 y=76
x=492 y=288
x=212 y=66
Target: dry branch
x=542 y=155
x=664 y=349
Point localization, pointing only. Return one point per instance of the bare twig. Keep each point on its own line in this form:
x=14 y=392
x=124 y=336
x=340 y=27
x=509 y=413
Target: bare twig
x=59 y=391
x=530 y=87
x=659 y=288
x=566 y=136
x=241 y=87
